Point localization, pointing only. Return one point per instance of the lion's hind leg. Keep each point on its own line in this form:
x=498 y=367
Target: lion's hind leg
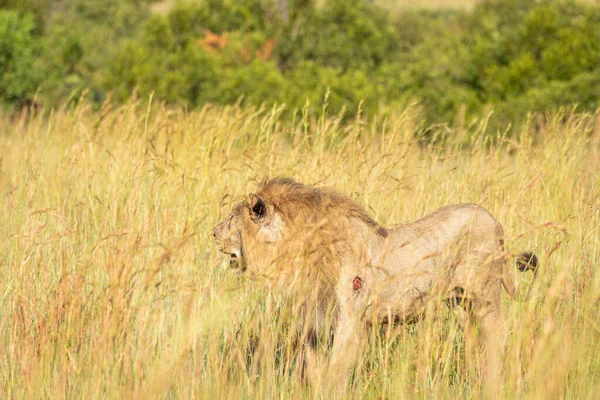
x=481 y=321
x=490 y=337
x=461 y=307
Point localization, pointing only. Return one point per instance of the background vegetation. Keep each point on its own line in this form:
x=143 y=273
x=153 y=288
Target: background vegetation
x=357 y=56
x=111 y=285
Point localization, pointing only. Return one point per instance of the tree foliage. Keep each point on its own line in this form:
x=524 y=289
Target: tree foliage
x=514 y=56
x=19 y=76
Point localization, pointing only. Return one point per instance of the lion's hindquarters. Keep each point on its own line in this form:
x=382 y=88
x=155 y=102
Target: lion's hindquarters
x=456 y=246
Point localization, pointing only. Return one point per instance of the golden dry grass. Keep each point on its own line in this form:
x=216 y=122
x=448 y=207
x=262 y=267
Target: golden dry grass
x=111 y=286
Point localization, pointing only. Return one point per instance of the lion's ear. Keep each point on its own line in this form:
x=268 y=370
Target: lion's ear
x=258 y=208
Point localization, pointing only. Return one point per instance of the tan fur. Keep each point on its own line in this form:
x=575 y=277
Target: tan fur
x=309 y=240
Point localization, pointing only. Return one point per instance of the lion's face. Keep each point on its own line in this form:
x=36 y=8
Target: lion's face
x=228 y=237
x=254 y=219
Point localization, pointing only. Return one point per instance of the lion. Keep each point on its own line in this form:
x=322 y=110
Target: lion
x=356 y=273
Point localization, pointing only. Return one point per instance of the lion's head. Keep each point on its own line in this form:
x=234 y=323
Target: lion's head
x=228 y=237
x=256 y=220
x=286 y=225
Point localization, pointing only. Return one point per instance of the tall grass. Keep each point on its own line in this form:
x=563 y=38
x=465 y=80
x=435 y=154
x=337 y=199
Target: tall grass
x=111 y=286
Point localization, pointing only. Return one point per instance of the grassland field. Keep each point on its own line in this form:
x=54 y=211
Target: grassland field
x=111 y=286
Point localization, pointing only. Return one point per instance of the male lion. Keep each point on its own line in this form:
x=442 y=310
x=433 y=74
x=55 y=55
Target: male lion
x=356 y=273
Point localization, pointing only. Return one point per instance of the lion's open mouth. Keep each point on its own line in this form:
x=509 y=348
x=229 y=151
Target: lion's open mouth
x=236 y=262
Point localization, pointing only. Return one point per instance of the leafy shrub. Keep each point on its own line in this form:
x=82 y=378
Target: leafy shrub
x=516 y=56
x=19 y=78
x=256 y=83
x=352 y=38
x=185 y=75
x=345 y=34
x=81 y=40
x=582 y=91
x=193 y=18
x=37 y=8
x=552 y=40
x=505 y=53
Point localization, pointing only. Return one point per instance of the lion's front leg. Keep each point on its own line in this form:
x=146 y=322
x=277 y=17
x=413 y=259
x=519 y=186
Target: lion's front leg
x=348 y=340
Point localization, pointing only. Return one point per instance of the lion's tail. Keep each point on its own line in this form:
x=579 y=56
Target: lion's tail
x=525 y=262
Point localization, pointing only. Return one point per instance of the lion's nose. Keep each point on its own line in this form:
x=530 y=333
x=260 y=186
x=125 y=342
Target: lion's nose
x=214 y=233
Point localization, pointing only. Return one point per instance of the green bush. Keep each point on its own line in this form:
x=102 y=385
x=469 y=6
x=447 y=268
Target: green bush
x=256 y=83
x=582 y=91
x=38 y=9
x=343 y=34
x=455 y=64
x=352 y=38
x=505 y=53
x=20 y=75
x=191 y=19
x=187 y=76
x=551 y=41
x=81 y=40
x=513 y=56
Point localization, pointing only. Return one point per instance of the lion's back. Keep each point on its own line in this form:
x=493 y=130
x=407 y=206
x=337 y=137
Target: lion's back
x=449 y=230
x=457 y=220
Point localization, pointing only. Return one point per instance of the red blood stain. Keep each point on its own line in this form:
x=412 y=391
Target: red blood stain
x=357 y=283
